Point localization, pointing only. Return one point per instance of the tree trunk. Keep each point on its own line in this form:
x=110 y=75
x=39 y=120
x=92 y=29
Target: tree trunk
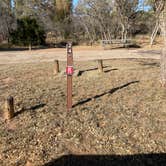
x=154 y=33
x=163 y=55
x=30 y=46
x=123 y=30
x=125 y=36
x=163 y=67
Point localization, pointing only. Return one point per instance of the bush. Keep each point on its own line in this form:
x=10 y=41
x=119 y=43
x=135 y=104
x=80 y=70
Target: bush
x=28 y=32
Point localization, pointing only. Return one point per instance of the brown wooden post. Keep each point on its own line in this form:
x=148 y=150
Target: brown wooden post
x=69 y=72
x=56 y=67
x=9 y=108
x=100 y=65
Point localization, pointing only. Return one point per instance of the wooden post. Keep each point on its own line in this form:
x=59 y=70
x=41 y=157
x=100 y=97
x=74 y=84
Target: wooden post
x=69 y=72
x=9 y=108
x=56 y=67
x=100 y=66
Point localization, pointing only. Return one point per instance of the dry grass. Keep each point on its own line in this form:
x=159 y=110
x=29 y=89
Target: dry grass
x=119 y=112
x=144 y=42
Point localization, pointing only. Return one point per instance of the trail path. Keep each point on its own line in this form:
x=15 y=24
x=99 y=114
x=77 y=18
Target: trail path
x=48 y=55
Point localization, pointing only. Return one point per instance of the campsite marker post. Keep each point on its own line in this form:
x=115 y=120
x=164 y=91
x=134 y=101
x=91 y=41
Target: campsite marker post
x=69 y=73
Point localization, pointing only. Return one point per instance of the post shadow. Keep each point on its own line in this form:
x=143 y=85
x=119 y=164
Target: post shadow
x=152 y=64
x=95 y=68
x=105 y=93
x=31 y=108
x=110 y=160
x=107 y=71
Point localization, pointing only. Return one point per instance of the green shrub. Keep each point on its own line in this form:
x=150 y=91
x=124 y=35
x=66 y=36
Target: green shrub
x=28 y=32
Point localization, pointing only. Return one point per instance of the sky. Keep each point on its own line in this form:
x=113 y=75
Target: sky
x=146 y=8
x=75 y=2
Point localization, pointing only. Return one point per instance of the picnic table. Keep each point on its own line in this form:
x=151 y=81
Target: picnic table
x=116 y=42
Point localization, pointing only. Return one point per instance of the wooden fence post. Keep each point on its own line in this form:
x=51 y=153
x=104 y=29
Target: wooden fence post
x=56 y=67
x=100 y=66
x=9 y=108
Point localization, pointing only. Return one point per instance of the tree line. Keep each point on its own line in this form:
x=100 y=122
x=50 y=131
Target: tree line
x=28 y=21
x=88 y=21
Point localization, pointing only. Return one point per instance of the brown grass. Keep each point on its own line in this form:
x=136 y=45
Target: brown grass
x=119 y=112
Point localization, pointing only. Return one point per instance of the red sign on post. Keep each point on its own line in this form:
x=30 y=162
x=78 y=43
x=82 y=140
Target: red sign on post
x=69 y=70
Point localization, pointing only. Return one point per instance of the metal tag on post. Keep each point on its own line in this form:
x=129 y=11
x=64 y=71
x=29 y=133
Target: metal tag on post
x=69 y=73
x=69 y=49
x=69 y=70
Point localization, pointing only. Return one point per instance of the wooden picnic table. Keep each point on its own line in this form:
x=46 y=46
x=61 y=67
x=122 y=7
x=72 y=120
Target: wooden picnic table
x=118 y=42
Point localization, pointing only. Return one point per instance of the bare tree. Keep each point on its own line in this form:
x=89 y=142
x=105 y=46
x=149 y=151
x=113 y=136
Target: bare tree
x=8 y=21
x=160 y=9
x=127 y=13
x=95 y=17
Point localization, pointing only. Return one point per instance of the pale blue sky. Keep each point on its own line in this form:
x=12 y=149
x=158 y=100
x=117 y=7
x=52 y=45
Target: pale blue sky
x=141 y=1
x=75 y=2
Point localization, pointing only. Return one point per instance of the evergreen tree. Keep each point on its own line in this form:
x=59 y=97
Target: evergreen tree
x=28 y=32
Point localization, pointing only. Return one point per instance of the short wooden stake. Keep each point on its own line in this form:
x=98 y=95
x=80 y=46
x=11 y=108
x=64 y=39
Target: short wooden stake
x=56 y=67
x=9 y=108
x=100 y=66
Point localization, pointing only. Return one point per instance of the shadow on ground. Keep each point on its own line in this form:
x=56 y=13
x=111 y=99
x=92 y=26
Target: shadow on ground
x=24 y=48
x=31 y=108
x=105 y=93
x=122 y=47
x=153 y=64
x=154 y=52
x=110 y=160
x=92 y=69
x=107 y=71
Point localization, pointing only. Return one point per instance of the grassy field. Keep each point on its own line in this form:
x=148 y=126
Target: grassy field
x=119 y=112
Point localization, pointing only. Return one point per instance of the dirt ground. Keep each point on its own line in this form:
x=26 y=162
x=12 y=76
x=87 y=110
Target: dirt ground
x=119 y=112
x=80 y=54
